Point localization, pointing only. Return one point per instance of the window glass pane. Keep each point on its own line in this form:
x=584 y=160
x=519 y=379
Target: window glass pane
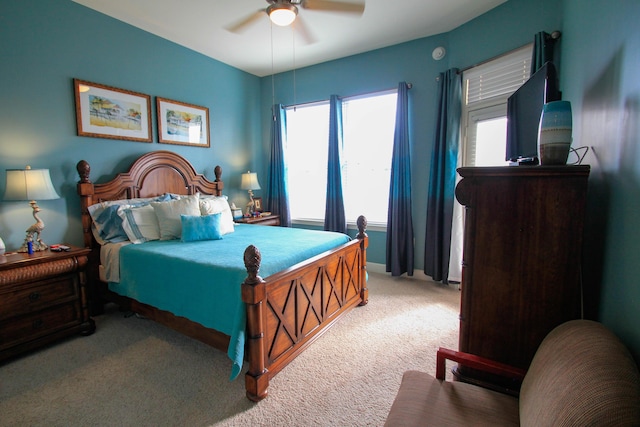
x=368 y=125
x=307 y=139
x=491 y=137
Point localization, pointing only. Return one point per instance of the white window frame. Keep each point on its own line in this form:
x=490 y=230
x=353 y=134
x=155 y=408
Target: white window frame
x=486 y=88
x=371 y=225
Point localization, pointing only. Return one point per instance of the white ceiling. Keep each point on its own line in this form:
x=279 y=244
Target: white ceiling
x=200 y=25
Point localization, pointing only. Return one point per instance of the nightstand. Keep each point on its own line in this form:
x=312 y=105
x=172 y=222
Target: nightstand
x=42 y=299
x=260 y=220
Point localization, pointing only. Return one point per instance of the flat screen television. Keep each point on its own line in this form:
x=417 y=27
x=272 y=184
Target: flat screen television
x=523 y=114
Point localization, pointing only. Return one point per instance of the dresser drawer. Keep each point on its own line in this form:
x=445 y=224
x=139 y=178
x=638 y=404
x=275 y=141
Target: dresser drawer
x=26 y=299
x=30 y=327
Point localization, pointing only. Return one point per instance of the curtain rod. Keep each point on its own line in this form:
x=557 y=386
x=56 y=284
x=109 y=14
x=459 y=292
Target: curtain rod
x=307 y=104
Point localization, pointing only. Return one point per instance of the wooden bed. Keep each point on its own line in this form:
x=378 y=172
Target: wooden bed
x=285 y=312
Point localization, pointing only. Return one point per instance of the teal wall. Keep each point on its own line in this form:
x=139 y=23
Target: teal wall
x=601 y=63
x=598 y=60
x=44 y=45
x=504 y=28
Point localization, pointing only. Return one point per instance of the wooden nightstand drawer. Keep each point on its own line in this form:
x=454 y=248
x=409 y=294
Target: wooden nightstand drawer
x=42 y=299
x=31 y=327
x=26 y=299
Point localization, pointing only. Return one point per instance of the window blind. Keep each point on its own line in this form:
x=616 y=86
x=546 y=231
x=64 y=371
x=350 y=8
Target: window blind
x=499 y=77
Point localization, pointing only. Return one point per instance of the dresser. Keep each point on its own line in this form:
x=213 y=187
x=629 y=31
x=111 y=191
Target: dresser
x=521 y=257
x=42 y=299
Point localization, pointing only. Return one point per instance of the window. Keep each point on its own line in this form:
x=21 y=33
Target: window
x=306 y=146
x=486 y=89
x=484 y=110
x=368 y=124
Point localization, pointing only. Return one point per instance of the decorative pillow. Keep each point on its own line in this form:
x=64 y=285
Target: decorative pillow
x=201 y=227
x=140 y=223
x=168 y=214
x=218 y=204
x=107 y=224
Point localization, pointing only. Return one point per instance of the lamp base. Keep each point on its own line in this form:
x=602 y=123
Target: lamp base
x=37 y=245
x=250 y=205
x=33 y=233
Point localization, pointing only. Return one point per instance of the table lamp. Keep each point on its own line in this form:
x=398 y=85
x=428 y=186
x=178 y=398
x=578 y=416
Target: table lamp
x=31 y=184
x=250 y=182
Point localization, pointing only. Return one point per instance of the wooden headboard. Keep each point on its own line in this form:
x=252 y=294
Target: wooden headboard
x=151 y=175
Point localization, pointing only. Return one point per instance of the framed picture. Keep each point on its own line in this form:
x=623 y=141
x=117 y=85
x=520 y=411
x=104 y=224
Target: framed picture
x=182 y=124
x=257 y=204
x=107 y=112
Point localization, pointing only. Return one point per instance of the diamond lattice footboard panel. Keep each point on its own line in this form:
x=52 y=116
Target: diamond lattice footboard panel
x=302 y=306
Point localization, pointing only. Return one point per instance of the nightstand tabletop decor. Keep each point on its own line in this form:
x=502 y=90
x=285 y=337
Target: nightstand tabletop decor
x=260 y=220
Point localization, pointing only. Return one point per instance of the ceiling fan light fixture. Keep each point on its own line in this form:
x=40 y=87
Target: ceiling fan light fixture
x=282 y=14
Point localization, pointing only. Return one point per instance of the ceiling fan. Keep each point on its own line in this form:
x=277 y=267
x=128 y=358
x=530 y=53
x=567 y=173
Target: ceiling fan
x=284 y=12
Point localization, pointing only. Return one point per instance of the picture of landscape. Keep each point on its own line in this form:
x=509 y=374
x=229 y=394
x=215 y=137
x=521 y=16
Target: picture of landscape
x=115 y=113
x=183 y=124
x=108 y=112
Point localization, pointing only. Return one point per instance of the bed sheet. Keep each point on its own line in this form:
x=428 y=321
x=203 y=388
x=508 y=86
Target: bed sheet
x=109 y=268
x=201 y=280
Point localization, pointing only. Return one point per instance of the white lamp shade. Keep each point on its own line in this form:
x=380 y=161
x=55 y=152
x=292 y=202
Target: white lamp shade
x=250 y=181
x=282 y=14
x=29 y=184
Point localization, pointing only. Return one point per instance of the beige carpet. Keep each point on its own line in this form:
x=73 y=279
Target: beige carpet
x=134 y=372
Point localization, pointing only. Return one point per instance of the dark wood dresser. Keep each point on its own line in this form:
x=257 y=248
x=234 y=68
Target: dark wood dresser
x=521 y=260
x=42 y=299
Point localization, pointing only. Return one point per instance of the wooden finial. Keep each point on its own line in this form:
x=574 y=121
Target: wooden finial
x=252 y=259
x=84 y=170
x=362 y=226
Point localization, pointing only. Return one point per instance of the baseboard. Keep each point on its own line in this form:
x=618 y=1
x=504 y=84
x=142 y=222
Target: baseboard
x=382 y=269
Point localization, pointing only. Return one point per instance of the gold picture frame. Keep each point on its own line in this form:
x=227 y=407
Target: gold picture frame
x=257 y=204
x=108 y=112
x=182 y=124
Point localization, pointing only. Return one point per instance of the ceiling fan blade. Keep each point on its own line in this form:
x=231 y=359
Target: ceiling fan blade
x=244 y=23
x=301 y=28
x=333 y=6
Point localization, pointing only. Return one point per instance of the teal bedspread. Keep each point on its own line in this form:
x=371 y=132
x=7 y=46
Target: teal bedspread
x=201 y=280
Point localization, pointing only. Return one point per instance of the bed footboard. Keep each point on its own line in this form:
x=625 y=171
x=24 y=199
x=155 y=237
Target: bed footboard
x=292 y=308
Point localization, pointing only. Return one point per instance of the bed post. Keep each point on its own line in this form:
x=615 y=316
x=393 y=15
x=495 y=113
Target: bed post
x=86 y=192
x=253 y=295
x=364 y=243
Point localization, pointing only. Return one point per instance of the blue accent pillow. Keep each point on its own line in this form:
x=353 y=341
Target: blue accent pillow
x=205 y=227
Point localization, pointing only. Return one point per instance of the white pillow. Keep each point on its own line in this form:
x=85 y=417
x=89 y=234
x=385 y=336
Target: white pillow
x=107 y=225
x=210 y=205
x=140 y=223
x=168 y=214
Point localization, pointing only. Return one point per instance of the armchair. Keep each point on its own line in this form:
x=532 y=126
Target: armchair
x=580 y=375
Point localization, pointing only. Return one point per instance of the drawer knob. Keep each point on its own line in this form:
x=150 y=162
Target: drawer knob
x=35 y=296
x=37 y=324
